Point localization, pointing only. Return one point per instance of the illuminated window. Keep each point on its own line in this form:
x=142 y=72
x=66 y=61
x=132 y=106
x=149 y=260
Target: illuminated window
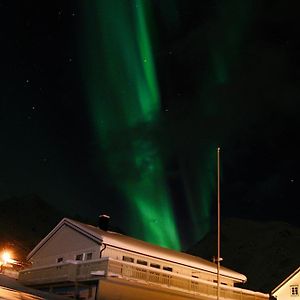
x=141 y=262
x=155 y=266
x=89 y=256
x=294 y=290
x=79 y=257
x=127 y=258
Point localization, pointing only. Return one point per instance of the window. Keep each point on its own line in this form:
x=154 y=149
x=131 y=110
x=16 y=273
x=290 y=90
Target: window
x=224 y=283
x=127 y=258
x=294 y=290
x=79 y=257
x=155 y=266
x=141 y=262
x=60 y=259
x=89 y=256
x=168 y=269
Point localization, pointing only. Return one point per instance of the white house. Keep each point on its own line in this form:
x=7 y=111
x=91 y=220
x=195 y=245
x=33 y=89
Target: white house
x=288 y=288
x=85 y=261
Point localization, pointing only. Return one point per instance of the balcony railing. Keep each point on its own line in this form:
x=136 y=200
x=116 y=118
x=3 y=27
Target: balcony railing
x=76 y=271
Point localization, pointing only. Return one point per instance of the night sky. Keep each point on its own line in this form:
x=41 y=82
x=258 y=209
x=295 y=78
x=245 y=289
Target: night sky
x=118 y=106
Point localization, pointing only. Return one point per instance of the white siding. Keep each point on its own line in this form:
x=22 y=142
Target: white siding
x=118 y=254
x=284 y=292
x=65 y=243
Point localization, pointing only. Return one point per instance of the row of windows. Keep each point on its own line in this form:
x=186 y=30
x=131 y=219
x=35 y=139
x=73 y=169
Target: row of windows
x=84 y=256
x=145 y=263
x=157 y=266
x=81 y=256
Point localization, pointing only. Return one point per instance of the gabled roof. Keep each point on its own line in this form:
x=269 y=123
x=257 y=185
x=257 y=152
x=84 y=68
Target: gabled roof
x=286 y=280
x=131 y=244
x=72 y=224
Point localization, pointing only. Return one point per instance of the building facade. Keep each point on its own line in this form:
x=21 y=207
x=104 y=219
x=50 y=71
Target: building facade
x=86 y=262
x=288 y=288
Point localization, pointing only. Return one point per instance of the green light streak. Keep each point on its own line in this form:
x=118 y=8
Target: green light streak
x=124 y=105
x=200 y=184
x=233 y=18
x=220 y=67
x=225 y=37
x=151 y=100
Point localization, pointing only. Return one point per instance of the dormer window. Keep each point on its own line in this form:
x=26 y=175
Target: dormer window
x=60 y=259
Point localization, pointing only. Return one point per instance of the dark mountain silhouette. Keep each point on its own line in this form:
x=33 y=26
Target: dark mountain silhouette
x=266 y=252
x=24 y=221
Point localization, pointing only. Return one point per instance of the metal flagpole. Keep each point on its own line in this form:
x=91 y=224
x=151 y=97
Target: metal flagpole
x=219 y=239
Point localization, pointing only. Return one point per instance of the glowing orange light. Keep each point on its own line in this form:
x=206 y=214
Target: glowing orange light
x=6 y=257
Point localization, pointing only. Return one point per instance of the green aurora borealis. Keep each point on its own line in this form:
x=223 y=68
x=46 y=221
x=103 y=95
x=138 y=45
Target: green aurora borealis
x=117 y=107
x=124 y=98
x=125 y=105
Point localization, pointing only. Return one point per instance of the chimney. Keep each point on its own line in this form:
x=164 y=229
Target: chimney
x=103 y=222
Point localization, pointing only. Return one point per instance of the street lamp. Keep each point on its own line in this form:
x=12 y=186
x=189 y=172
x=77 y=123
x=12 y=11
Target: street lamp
x=6 y=257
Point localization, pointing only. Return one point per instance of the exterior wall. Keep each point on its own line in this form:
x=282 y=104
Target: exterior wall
x=284 y=292
x=137 y=274
x=65 y=244
x=117 y=288
x=118 y=254
x=81 y=276
x=112 y=289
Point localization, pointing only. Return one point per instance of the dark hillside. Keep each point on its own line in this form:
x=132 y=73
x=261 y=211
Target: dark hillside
x=24 y=221
x=266 y=252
